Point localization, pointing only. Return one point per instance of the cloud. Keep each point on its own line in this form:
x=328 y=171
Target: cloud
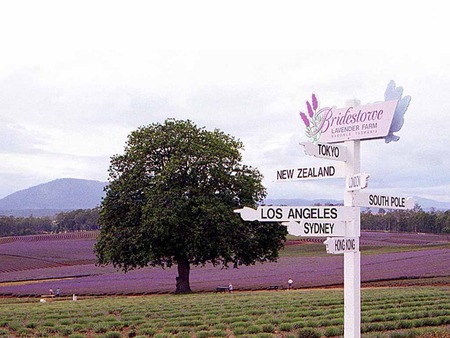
x=70 y=93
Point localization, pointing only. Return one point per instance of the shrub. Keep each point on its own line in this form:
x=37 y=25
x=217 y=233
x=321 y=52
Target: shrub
x=236 y=325
x=203 y=334
x=298 y=325
x=333 y=331
x=264 y=335
x=113 y=334
x=184 y=335
x=64 y=330
x=308 y=333
x=286 y=327
x=100 y=328
x=31 y=325
x=239 y=331
x=405 y=324
x=254 y=329
x=268 y=328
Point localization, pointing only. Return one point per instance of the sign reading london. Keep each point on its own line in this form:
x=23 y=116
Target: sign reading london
x=295 y=213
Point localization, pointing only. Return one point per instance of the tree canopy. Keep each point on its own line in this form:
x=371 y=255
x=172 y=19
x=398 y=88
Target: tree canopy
x=170 y=200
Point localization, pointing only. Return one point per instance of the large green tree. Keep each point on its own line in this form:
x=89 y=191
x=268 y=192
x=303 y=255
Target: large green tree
x=170 y=200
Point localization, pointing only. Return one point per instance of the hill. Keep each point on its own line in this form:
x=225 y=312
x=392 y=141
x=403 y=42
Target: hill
x=52 y=197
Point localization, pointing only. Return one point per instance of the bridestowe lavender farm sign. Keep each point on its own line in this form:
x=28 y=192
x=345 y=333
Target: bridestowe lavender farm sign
x=375 y=120
x=350 y=123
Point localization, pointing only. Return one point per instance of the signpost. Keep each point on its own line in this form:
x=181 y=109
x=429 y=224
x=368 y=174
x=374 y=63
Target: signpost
x=340 y=224
x=357 y=123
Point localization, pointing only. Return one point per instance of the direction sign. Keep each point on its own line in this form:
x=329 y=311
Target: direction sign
x=356 y=182
x=316 y=228
x=383 y=201
x=340 y=245
x=356 y=123
x=297 y=213
x=308 y=173
x=328 y=151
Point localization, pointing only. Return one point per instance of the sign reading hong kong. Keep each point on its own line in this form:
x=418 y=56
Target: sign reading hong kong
x=349 y=123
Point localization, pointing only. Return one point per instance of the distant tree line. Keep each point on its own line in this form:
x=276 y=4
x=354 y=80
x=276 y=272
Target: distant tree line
x=76 y=220
x=415 y=220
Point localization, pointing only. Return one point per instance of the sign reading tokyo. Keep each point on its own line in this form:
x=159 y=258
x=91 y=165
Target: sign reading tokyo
x=350 y=123
x=295 y=213
x=328 y=151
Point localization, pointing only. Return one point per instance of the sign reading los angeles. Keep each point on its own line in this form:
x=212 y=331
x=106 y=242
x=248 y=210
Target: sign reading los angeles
x=266 y=213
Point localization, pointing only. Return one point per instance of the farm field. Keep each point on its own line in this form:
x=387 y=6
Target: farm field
x=386 y=312
x=31 y=265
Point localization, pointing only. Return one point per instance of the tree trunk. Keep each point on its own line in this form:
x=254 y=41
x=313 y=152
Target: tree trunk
x=183 y=285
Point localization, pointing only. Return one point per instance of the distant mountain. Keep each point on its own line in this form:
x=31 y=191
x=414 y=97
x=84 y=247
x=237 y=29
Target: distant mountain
x=53 y=197
x=427 y=204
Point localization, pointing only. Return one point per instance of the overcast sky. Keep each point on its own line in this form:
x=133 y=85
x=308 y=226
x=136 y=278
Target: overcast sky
x=76 y=79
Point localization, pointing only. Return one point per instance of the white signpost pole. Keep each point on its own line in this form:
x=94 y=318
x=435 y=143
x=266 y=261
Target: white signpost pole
x=352 y=260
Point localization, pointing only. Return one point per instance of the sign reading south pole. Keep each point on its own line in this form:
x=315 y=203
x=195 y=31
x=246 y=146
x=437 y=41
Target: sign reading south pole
x=383 y=201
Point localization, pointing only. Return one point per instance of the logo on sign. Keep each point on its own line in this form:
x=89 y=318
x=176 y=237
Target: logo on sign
x=313 y=120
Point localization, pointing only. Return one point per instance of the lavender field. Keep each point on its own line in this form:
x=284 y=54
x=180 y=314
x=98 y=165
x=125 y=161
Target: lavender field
x=31 y=265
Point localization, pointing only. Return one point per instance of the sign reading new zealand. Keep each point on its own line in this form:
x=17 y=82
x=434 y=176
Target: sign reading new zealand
x=308 y=173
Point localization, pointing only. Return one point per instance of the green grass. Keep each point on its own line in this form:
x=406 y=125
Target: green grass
x=401 y=312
